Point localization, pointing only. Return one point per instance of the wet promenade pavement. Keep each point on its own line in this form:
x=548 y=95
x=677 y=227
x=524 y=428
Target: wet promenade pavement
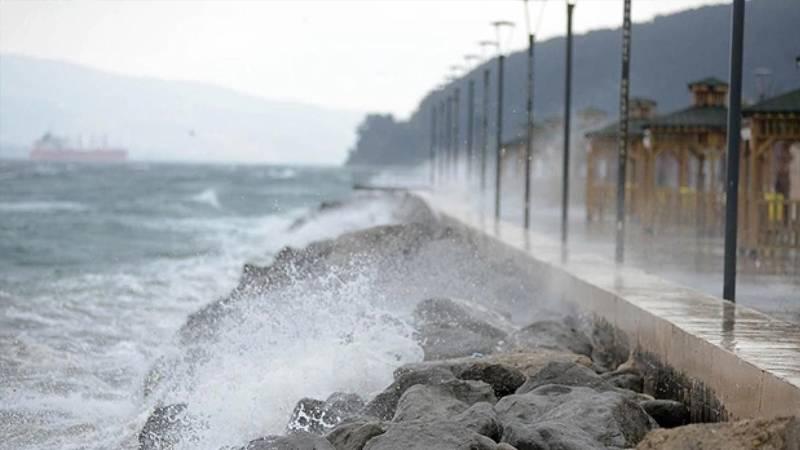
x=749 y=359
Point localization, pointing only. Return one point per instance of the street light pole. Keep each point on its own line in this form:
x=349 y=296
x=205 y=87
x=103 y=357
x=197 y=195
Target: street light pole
x=470 y=124
x=567 y=105
x=529 y=135
x=456 y=136
x=499 y=137
x=432 y=162
x=485 y=128
x=734 y=130
x=449 y=135
x=622 y=154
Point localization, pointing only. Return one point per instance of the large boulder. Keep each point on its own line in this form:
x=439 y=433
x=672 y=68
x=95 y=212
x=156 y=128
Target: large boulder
x=165 y=428
x=551 y=334
x=317 y=416
x=293 y=441
x=568 y=374
x=450 y=329
x=571 y=417
x=354 y=434
x=426 y=435
x=765 y=434
x=442 y=401
x=384 y=404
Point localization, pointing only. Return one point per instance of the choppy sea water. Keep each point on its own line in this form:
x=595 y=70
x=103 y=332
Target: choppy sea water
x=101 y=264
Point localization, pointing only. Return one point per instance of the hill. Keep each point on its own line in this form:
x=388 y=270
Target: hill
x=161 y=119
x=667 y=53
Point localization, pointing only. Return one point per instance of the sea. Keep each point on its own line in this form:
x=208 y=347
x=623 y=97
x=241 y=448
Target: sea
x=100 y=265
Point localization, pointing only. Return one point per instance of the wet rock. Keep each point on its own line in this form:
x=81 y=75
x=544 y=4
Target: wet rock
x=571 y=417
x=353 y=435
x=553 y=335
x=504 y=379
x=774 y=434
x=164 y=427
x=528 y=363
x=667 y=413
x=294 y=441
x=449 y=329
x=383 y=406
x=441 y=401
x=424 y=435
x=317 y=416
x=568 y=374
x=629 y=380
x=482 y=419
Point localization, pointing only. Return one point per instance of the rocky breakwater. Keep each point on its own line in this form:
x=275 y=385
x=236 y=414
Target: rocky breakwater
x=484 y=381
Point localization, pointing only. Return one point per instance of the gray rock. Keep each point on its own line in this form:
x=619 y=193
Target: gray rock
x=448 y=329
x=571 y=417
x=667 y=413
x=565 y=373
x=383 y=406
x=553 y=335
x=423 y=435
x=353 y=435
x=317 y=416
x=164 y=427
x=482 y=419
x=505 y=380
x=441 y=401
x=626 y=380
x=294 y=441
x=782 y=433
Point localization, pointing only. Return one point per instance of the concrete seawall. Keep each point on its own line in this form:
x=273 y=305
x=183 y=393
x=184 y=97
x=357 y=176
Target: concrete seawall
x=724 y=361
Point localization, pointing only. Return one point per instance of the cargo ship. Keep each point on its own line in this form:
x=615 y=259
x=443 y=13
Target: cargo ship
x=53 y=148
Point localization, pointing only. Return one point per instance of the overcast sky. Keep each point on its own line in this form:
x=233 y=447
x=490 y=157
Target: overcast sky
x=358 y=55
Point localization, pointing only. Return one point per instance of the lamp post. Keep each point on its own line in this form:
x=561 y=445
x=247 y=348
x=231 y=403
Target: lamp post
x=734 y=135
x=485 y=116
x=567 y=105
x=499 y=26
x=470 y=115
x=622 y=154
x=432 y=161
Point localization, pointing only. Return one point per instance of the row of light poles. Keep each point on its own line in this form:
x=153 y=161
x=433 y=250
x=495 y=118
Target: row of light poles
x=448 y=123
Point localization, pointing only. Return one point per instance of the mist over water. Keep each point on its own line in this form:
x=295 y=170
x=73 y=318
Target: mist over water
x=100 y=265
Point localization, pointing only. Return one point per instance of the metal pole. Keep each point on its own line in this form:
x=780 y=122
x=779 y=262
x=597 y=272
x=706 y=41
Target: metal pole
x=470 y=124
x=734 y=130
x=432 y=162
x=567 y=104
x=499 y=136
x=529 y=136
x=622 y=154
x=442 y=140
x=449 y=136
x=456 y=137
x=485 y=128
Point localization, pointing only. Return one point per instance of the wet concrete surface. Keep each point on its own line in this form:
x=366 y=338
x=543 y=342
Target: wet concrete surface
x=750 y=359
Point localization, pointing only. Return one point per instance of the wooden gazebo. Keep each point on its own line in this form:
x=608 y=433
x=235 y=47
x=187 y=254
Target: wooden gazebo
x=601 y=164
x=684 y=162
x=770 y=175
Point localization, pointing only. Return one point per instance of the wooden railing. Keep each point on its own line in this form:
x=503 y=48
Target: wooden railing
x=778 y=223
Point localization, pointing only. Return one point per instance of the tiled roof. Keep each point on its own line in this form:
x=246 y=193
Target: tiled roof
x=693 y=116
x=788 y=102
x=710 y=81
x=635 y=128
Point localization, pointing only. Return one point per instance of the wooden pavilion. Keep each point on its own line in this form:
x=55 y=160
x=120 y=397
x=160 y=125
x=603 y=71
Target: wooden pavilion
x=601 y=164
x=769 y=188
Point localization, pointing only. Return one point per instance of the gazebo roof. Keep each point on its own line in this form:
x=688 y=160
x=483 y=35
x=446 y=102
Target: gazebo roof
x=635 y=128
x=788 y=102
x=708 y=81
x=693 y=117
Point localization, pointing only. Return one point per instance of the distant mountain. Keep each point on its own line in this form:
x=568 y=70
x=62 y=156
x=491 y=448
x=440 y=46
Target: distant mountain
x=667 y=53
x=160 y=119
